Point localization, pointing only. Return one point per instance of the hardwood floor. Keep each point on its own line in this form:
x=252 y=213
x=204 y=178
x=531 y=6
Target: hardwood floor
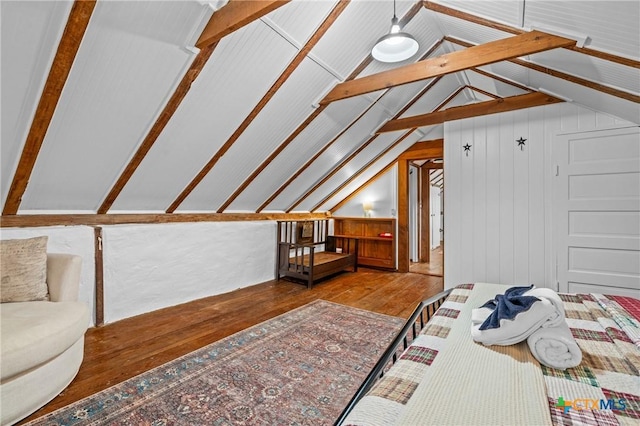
x=434 y=267
x=118 y=351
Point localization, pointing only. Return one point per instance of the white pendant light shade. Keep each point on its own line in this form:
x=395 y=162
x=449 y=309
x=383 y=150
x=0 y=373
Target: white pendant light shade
x=395 y=46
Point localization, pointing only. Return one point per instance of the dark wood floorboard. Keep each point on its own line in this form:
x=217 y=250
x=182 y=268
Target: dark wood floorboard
x=119 y=351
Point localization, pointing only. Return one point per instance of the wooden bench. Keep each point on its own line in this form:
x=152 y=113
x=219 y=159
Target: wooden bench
x=307 y=253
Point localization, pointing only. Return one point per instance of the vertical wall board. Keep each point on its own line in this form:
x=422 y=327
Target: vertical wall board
x=452 y=202
x=506 y=199
x=513 y=187
x=479 y=195
x=537 y=172
x=520 y=197
x=466 y=201
x=67 y=239
x=492 y=241
x=551 y=117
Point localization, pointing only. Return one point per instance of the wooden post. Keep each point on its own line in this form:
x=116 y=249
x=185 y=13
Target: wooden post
x=425 y=214
x=97 y=232
x=403 y=215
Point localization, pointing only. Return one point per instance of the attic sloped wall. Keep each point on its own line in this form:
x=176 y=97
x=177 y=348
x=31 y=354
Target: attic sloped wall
x=499 y=194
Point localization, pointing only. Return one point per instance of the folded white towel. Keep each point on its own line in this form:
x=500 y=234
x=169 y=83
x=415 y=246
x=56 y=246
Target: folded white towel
x=478 y=315
x=555 y=300
x=518 y=329
x=555 y=347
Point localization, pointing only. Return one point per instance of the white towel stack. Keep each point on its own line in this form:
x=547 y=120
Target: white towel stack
x=543 y=325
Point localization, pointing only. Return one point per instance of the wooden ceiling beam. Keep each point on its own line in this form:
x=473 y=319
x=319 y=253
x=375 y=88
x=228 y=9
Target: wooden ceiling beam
x=319 y=153
x=433 y=166
x=361 y=188
x=488 y=53
x=293 y=65
x=511 y=103
x=559 y=74
x=424 y=150
x=361 y=170
x=29 y=221
x=483 y=92
x=501 y=79
x=436 y=7
x=233 y=16
x=387 y=167
x=413 y=11
x=161 y=122
x=74 y=31
x=351 y=156
x=322 y=29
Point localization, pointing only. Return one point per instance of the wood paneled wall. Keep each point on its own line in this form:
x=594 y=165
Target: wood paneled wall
x=499 y=193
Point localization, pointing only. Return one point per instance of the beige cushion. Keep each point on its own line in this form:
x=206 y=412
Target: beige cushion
x=32 y=333
x=24 y=270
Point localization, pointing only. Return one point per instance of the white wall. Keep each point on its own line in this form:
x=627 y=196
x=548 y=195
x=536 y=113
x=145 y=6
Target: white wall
x=383 y=192
x=148 y=267
x=498 y=198
x=67 y=239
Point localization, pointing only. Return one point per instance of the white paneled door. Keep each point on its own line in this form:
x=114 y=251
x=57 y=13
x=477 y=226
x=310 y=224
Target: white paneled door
x=597 y=211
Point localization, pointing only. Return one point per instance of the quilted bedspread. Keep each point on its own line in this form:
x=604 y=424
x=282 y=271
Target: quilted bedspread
x=445 y=378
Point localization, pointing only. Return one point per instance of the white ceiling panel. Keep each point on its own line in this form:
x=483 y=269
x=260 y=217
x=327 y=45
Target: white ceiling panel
x=509 y=12
x=29 y=36
x=470 y=32
x=348 y=142
x=241 y=70
x=299 y=19
x=491 y=85
x=596 y=101
x=312 y=139
x=371 y=171
x=282 y=115
x=434 y=96
x=366 y=156
x=510 y=71
x=119 y=77
x=590 y=68
x=611 y=25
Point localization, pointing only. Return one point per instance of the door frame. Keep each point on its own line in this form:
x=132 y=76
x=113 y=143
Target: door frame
x=426 y=150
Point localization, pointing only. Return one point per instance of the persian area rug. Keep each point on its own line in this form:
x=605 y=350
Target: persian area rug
x=301 y=367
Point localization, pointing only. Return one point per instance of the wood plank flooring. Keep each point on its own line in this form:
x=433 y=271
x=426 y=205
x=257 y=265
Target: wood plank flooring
x=434 y=267
x=118 y=351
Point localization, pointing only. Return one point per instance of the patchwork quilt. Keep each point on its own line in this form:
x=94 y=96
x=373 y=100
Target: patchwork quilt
x=443 y=377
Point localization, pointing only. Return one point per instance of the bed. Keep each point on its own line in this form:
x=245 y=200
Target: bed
x=305 y=252
x=440 y=376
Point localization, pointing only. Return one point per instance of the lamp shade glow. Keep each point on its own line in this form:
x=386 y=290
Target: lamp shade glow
x=395 y=46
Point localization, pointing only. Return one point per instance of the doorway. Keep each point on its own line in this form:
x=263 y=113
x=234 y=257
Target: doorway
x=426 y=217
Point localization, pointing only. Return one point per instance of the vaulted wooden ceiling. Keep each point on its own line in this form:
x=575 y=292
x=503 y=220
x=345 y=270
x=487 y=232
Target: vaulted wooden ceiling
x=262 y=106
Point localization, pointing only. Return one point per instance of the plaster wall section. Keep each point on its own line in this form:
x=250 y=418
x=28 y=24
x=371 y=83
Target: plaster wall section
x=149 y=267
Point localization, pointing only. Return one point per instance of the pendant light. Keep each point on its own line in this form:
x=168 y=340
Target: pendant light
x=395 y=46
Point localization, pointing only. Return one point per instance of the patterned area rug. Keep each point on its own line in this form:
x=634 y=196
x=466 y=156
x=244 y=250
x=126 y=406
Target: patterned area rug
x=302 y=367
